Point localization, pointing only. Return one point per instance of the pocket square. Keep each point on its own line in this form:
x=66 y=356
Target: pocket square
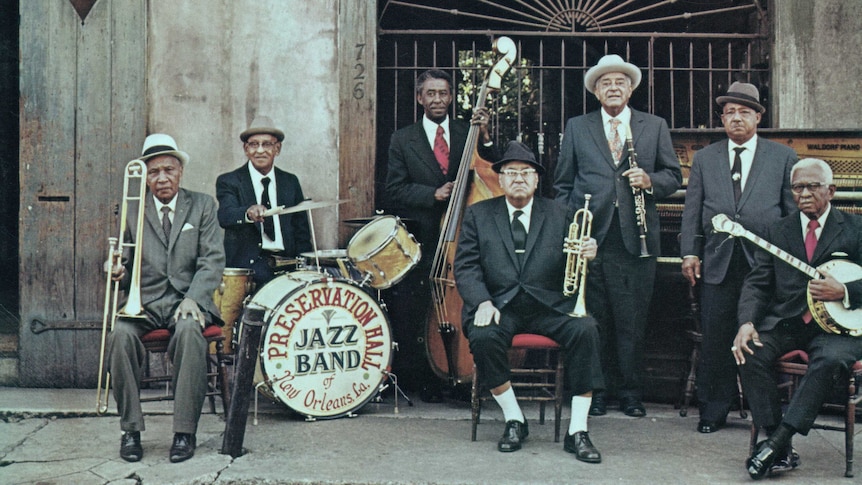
x=839 y=254
x=187 y=226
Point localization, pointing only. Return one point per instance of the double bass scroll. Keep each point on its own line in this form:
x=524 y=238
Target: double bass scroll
x=448 y=350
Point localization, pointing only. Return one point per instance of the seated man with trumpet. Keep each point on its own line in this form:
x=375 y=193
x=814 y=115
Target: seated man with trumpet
x=510 y=268
x=170 y=268
x=776 y=306
x=252 y=238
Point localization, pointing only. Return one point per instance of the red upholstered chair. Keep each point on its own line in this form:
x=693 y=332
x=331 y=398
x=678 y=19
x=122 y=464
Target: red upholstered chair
x=156 y=342
x=793 y=365
x=543 y=384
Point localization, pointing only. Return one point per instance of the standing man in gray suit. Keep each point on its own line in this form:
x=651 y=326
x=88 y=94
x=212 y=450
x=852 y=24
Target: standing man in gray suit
x=593 y=161
x=181 y=266
x=748 y=179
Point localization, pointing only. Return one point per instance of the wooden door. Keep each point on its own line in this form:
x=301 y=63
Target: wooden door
x=82 y=117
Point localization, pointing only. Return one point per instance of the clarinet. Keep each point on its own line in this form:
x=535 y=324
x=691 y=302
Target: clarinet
x=638 y=193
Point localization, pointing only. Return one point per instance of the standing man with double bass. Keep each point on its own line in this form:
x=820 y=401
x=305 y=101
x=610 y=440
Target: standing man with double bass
x=423 y=162
x=593 y=160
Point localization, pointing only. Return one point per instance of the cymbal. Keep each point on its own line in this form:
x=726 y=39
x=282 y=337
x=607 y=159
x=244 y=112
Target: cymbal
x=325 y=254
x=302 y=206
x=361 y=221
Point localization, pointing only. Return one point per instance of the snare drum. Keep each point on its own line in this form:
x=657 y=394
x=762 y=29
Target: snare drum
x=384 y=251
x=236 y=285
x=326 y=347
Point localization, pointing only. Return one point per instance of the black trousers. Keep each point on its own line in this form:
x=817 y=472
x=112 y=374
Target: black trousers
x=578 y=339
x=619 y=291
x=830 y=358
x=716 y=374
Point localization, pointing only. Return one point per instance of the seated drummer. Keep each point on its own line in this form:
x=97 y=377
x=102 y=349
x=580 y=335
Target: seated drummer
x=509 y=268
x=250 y=239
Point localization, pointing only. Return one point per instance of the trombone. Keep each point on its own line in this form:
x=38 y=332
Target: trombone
x=576 y=265
x=135 y=172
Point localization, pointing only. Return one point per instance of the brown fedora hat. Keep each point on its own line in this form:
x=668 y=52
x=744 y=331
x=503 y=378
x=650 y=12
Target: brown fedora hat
x=744 y=94
x=262 y=125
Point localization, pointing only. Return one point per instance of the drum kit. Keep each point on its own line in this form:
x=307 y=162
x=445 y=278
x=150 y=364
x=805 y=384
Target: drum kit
x=326 y=347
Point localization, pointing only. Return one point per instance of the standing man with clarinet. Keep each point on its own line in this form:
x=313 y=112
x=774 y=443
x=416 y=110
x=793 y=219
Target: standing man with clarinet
x=594 y=160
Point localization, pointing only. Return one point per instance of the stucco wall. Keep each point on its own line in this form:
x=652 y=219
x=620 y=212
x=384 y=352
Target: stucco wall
x=213 y=66
x=817 y=63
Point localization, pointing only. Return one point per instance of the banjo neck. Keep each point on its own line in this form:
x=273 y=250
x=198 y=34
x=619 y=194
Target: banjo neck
x=722 y=223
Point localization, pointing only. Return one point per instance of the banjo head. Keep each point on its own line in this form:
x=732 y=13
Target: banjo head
x=831 y=315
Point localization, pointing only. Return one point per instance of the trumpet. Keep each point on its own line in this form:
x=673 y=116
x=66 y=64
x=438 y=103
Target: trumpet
x=576 y=265
x=135 y=172
x=638 y=193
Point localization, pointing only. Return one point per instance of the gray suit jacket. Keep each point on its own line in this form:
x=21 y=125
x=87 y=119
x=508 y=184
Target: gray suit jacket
x=486 y=267
x=192 y=261
x=767 y=197
x=586 y=166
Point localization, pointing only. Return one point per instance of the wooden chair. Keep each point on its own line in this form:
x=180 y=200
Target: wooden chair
x=156 y=342
x=793 y=365
x=543 y=384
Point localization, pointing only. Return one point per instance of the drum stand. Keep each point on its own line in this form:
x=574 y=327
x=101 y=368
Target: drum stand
x=390 y=377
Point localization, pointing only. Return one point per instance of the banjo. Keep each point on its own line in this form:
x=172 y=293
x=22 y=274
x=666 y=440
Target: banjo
x=830 y=315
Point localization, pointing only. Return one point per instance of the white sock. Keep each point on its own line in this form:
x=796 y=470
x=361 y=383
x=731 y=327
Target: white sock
x=509 y=404
x=580 y=410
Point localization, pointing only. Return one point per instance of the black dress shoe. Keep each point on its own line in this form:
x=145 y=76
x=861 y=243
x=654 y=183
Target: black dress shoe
x=599 y=406
x=787 y=462
x=515 y=434
x=632 y=406
x=580 y=444
x=183 y=447
x=707 y=426
x=130 y=446
x=761 y=461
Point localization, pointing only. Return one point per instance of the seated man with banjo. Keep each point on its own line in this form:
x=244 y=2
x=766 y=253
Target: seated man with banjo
x=783 y=297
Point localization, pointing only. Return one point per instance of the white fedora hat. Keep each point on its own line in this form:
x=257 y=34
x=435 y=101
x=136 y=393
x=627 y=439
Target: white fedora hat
x=611 y=63
x=162 y=144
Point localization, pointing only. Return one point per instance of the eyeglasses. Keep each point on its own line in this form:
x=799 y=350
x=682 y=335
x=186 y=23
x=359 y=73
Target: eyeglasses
x=812 y=187
x=515 y=173
x=254 y=145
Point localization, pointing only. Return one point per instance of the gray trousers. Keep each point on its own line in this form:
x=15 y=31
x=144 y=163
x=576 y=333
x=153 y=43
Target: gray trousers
x=187 y=350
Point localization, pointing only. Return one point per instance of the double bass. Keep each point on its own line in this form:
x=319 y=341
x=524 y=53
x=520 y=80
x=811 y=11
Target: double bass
x=447 y=347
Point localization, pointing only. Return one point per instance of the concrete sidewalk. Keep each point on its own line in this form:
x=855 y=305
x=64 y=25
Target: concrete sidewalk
x=51 y=436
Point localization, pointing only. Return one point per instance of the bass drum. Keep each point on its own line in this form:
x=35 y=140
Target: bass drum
x=326 y=347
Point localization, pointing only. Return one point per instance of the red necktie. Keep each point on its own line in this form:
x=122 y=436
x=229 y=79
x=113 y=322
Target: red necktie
x=810 y=244
x=441 y=150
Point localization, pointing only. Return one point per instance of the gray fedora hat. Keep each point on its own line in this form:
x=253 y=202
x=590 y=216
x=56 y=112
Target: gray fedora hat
x=518 y=152
x=611 y=63
x=261 y=125
x=744 y=94
x=162 y=144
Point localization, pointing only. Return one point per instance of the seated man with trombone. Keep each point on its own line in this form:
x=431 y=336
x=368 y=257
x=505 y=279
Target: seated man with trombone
x=172 y=262
x=518 y=260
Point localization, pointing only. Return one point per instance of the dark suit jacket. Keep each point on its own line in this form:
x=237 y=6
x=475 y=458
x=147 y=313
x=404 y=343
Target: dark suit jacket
x=191 y=263
x=586 y=166
x=775 y=290
x=242 y=241
x=413 y=175
x=767 y=197
x=486 y=267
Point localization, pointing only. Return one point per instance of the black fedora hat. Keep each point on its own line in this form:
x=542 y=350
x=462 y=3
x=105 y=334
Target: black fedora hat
x=744 y=94
x=518 y=152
